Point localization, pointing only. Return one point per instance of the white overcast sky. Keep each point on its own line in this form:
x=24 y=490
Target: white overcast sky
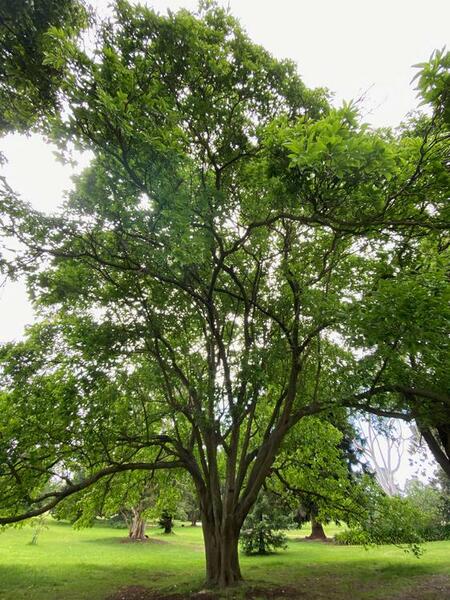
x=352 y=47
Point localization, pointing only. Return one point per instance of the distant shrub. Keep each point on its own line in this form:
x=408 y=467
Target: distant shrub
x=393 y=520
x=260 y=538
x=166 y=521
x=431 y=502
x=436 y=532
x=352 y=537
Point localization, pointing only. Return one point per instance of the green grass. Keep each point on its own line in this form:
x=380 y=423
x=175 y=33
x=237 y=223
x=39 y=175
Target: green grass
x=92 y=563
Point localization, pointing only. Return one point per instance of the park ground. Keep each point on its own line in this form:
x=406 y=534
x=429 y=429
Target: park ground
x=97 y=564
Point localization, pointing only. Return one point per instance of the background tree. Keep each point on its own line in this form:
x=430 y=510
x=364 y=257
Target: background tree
x=384 y=444
x=188 y=507
x=404 y=521
x=262 y=532
x=431 y=500
x=315 y=475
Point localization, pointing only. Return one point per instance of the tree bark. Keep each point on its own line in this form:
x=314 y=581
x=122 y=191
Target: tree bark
x=137 y=526
x=441 y=452
x=317 y=531
x=222 y=554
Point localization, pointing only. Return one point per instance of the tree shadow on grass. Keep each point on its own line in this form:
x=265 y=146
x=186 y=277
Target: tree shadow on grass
x=353 y=579
x=332 y=581
x=368 y=569
x=88 y=581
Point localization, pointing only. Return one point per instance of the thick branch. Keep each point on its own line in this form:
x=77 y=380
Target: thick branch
x=68 y=490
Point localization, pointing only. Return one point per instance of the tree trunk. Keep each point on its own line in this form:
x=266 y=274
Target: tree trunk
x=137 y=526
x=440 y=451
x=222 y=555
x=261 y=543
x=166 y=522
x=317 y=531
x=193 y=516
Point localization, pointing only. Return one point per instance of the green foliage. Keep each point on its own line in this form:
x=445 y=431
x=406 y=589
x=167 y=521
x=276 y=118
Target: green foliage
x=353 y=537
x=166 y=521
x=28 y=83
x=313 y=475
x=38 y=525
x=188 y=508
x=433 y=82
x=431 y=501
x=392 y=521
x=398 y=521
x=261 y=533
x=148 y=494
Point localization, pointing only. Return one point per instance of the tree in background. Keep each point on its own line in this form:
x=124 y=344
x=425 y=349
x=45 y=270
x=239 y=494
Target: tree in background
x=314 y=474
x=442 y=483
x=432 y=500
x=130 y=498
x=199 y=286
x=262 y=532
x=188 y=507
x=406 y=521
x=384 y=443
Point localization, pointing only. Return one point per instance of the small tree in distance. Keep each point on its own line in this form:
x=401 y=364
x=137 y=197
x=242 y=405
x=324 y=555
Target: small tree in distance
x=262 y=531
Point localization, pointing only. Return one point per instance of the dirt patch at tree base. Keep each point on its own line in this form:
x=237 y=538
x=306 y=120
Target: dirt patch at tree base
x=137 y=592
x=327 y=540
x=128 y=540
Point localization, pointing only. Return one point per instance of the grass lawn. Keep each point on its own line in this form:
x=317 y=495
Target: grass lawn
x=93 y=563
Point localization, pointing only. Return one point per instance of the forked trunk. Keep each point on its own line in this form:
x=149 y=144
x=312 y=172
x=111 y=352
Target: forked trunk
x=137 y=526
x=317 y=531
x=222 y=555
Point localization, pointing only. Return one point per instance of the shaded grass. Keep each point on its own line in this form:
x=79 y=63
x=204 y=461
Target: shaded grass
x=92 y=563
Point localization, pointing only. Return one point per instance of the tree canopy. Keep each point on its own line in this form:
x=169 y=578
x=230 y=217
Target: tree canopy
x=29 y=84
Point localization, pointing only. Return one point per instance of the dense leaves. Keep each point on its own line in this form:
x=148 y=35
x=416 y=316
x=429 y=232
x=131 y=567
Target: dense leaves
x=29 y=84
x=262 y=532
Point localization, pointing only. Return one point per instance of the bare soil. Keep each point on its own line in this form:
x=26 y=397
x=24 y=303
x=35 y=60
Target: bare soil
x=147 y=540
x=327 y=540
x=137 y=592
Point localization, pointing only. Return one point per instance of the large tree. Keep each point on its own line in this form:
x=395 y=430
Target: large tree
x=198 y=283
